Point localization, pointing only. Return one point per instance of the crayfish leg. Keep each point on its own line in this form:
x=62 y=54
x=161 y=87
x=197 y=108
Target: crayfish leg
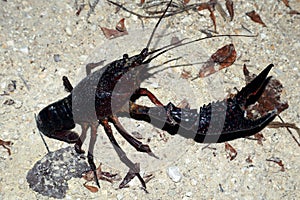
x=145 y=92
x=139 y=146
x=67 y=84
x=133 y=168
x=91 y=152
x=130 y=175
x=78 y=145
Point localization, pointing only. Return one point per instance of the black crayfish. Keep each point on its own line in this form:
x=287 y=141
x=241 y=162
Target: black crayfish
x=95 y=100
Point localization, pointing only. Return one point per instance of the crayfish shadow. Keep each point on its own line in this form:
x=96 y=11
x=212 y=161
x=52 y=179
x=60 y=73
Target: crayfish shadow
x=50 y=175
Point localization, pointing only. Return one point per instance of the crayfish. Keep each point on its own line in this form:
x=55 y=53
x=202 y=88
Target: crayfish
x=97 y=100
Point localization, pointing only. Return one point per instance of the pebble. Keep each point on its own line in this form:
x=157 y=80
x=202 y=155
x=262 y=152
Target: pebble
x=194 y=182
x=24 y=50
x=188 y=194
x=21 y=181
x=56 y=57
x=120 y=196
x=83 y=58
x=68 y=31
x=174 y=173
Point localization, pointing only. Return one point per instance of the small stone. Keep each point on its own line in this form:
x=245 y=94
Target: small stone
x=56 y=57
x=194 y=182
x=68 y=31
x=120 y=196
x=21 y=181
x=24 y=50
x=83 y=58
x=188 y=194
x=174 y=173
x=155 y=85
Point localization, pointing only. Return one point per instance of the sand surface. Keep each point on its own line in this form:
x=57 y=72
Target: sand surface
x=41 y=41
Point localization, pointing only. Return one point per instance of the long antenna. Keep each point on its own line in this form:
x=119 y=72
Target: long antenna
x=173 y=46
x=42 y=136
x=152 y=34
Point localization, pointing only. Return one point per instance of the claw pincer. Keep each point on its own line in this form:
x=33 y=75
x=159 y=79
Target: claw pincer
x=216 y=122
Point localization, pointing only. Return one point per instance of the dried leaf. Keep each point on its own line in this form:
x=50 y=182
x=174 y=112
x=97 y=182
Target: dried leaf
x=91 y=188
x=203 y=6
x=210 y=8
x=185 y=74
x=106 y=176
x=224 y=57
x=229 y=6
x=142 y=2
x=286 y=3
x=260 y=138
x=232 y=153
x=186 y=2
x=120 y=30
x=220 y=9
x=294 y=12
x=249 y=160
x=255 y=17
x=213 y=18
x=4 y=144
x=121 y=26
x=269 y=100
x=278 y=162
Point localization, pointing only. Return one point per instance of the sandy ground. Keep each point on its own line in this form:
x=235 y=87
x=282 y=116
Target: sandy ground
x=32 y=32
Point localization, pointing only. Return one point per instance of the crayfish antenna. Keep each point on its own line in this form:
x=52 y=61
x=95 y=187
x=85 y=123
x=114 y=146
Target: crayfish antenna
x=43 y=139
x=156 y=26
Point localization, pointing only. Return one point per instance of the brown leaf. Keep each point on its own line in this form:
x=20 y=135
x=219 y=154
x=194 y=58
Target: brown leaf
x=4 y=144
x=231 y=152
x=255 y=17
x=213 y=18
x=270 y=98
x=186 y=2
x=249 y=160
x=112 y=33
x=203 y=6
x=121 y=26
x=286 y=3
x=278 y=162
x=224 y=57
x=260 y=138
x=91 y=188
x=294 y=12
x=210 y=8
x=185 y=74
x=229 y=6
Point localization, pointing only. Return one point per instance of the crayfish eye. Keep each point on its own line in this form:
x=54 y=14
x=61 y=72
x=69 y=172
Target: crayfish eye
x=125 y=56
x=144 y=52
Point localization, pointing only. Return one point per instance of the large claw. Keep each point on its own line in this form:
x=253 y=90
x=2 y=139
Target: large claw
x=216 y=122
x=252 y=91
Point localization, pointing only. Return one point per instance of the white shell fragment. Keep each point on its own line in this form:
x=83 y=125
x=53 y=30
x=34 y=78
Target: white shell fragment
x=174 y=173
